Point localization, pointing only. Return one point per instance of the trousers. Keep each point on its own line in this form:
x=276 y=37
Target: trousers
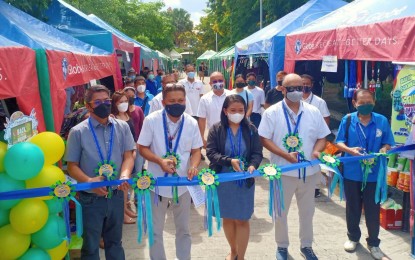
x=304 y=193
x=181 y=214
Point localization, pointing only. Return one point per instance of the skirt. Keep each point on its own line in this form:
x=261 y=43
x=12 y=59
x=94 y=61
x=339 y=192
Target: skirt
x=236 y=201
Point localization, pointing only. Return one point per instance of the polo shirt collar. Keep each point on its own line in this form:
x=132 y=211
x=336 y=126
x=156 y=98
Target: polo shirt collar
x=355 y=118
x=95 y=123
x=309 y=98
x=223 y=94
x=300 y=110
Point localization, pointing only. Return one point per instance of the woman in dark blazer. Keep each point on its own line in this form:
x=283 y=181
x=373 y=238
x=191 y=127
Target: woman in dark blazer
x=234 y=145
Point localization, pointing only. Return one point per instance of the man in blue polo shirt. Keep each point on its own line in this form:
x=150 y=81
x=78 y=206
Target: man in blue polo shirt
x=368 y=132
x=151 y=83
x=143 y=96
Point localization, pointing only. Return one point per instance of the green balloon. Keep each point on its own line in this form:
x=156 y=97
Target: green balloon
x=24 y=161
x=4 y=217
x=9 y=184
x=54 y=205
x=52 y=234
x=35 y=254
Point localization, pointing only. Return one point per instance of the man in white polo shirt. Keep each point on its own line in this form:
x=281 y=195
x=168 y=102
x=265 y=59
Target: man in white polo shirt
x=259 y=98
x=157 y=104
x=279 y=125
x=194 y=88
x=210 y=105
x=171 y=142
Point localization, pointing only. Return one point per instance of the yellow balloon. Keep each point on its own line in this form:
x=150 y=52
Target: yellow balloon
x=3 y=150
x=29 y=216
x=51 y=144
x=13 y=244
x=49 y=175
x=59 y=252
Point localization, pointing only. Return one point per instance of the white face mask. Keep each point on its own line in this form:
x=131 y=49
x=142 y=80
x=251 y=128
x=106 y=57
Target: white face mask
x=141 y=88
x=236 y=118
x=295 y=96
x=122 y=107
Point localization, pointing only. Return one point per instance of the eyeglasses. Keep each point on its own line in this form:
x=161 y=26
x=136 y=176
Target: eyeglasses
x=98 y=102
x=294 y=88
x=217 y=81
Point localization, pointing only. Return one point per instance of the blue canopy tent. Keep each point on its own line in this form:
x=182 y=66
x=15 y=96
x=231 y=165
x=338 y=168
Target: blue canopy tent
x=146 y=54
x=61 y=60
x=271 y=39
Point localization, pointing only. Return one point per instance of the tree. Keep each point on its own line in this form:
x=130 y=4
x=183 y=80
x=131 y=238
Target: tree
x=180 y=19
x=33 y=7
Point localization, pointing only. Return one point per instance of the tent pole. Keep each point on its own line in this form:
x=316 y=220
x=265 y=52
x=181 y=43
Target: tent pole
x=260 y=14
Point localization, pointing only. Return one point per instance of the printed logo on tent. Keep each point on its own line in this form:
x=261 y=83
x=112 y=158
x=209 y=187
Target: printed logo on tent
x=297 y=46
x=65 y=68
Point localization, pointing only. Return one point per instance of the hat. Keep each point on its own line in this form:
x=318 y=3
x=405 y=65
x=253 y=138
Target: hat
x=129 y=88
x=131 y=70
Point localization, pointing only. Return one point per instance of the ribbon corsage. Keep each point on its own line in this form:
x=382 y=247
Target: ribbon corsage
x=176 y=160
x=108 y=169
x=292 y=142
x=276 y=193
x=142 y=185
x=65 y=192
x=334 y=175
x=209 y=180
x=367 y=166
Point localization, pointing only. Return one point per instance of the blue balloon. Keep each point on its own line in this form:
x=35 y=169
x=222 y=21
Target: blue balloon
x=35 y=254
x=23 y=161
x=9 y=184
x=52 y=234
x=54 y=205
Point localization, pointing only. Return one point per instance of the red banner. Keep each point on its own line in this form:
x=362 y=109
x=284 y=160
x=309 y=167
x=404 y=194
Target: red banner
x=386 y=41
x=136 y=59
x=18 y=78
x=120 y=44
x=70 y=69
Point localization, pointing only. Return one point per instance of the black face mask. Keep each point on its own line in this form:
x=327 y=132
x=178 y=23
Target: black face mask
x=175 y=110
x=279 y=82
x=240 y=85
x=102 y=111
x=131 y=101
x=307 y=89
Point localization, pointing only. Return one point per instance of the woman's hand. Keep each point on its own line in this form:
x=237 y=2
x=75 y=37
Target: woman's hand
x=251 y=169
x=236 y=165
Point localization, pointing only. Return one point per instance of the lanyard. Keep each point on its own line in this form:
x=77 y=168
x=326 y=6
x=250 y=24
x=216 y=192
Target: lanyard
x=101 y=156
x=239 y=133
x=169 y=138
x=292 y=120
x=364 y=139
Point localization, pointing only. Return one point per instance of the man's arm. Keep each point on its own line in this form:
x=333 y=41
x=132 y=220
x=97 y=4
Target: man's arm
x=327 y=120
x=319 y=147
x=127 y=165
x=194 y=163
x=202 y=127
x=75 y=172
x=167 y=165
x=267 y=105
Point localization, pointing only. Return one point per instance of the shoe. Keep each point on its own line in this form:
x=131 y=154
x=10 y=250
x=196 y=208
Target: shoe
x=350 y=246
x=203 y=157
x=317 y=193
x=282 y=253
x=308 y=253
x=376 y=252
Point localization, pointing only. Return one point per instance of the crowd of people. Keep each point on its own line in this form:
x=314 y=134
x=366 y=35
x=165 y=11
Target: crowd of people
x=161 y=120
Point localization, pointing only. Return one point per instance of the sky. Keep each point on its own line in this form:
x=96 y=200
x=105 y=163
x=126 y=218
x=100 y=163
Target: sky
x=194 y=7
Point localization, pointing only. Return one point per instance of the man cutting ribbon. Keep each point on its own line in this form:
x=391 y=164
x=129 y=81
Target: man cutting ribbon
x=293 y=130
x=102 y=208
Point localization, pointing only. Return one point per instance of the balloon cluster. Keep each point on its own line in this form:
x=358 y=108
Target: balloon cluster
x=32 y=228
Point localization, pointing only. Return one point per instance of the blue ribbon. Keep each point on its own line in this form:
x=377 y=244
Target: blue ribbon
x=183 y=181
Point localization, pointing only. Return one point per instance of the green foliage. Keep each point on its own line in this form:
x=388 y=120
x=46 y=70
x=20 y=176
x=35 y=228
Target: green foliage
x=33 y=7
x=183 y=26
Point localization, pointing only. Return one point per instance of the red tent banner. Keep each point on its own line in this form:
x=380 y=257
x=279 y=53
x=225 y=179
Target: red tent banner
x=136 y=59
x=18 y=79
x=120 y=44
x=384 y=41
x=72 y=69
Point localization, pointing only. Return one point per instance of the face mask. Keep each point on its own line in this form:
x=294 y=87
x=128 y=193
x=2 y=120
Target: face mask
x=131 y=101
x=131 y=77
x=236 y=118
x=151 y=76
x=122 y=107
x=102 y=111
x=251 y=82
x=175 y=110
x=295 y=96
x=218 y=86
x=141 y=88
x=240 y=85
x=307 y=89
x=279 y=82
x=365 y=109
x=191 y=75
